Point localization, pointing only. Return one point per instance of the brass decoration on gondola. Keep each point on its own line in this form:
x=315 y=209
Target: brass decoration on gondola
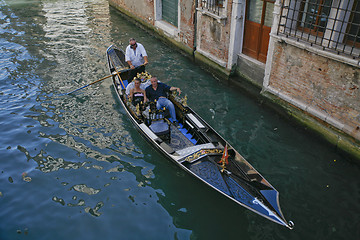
x=138 y=109
x=178 y=101
x=203 y=152
x=184 y=101
x=144 y=76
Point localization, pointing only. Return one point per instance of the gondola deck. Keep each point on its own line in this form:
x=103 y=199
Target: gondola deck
x=198 y=149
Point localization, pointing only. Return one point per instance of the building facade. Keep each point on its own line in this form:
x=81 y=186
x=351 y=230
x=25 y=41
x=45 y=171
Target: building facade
x=314 y=60
x=305 y=52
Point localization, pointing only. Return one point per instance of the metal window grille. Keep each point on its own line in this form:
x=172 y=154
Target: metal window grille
x=332 y=25
x=213 y=6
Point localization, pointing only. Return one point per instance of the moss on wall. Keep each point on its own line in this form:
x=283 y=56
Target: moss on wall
x=338 y=139
x=212 y=67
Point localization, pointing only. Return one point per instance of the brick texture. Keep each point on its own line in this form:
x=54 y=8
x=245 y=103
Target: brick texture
x=329 y=86
x=214 y=35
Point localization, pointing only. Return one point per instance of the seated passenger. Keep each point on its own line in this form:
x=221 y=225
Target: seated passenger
x=137 y=95
x=143 y=85
x=158 y=91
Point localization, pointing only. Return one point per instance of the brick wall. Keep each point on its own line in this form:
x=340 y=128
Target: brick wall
x=144 y=9
x=214 y=34
x=214 y=38
x=329 y=86
x=187 y=10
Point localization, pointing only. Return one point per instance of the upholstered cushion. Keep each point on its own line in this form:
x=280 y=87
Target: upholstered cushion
x=160 y=127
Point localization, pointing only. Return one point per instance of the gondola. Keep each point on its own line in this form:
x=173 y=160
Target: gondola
x=195 y=146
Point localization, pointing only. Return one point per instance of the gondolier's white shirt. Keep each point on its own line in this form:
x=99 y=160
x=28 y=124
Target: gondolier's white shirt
x=136 y=57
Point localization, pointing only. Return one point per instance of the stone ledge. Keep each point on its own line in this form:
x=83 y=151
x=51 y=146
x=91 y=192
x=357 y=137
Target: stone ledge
x=220 y=18
x=212 y=66
x=169 y=30
x=339 y=139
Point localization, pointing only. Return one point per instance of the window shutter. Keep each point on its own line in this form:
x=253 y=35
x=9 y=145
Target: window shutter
x=170 y=11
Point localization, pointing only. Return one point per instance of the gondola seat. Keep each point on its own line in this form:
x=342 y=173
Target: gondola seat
x=161 y=128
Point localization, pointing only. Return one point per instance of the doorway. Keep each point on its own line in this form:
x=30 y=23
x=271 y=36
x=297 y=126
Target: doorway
x=258 y=21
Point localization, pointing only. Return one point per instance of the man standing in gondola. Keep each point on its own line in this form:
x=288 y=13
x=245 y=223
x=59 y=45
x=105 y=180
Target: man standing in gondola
x=158 y=91
x=135 y=54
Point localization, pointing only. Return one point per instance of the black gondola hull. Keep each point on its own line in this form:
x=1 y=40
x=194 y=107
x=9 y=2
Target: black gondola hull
x=201 y=154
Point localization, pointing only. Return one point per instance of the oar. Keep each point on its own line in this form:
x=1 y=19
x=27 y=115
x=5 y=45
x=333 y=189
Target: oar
x=93 y=83
x=120 y=71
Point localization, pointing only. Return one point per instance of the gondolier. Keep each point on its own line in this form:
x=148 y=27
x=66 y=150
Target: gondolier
x=135 y=54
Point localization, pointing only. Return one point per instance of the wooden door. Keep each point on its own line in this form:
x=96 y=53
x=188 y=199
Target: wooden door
x=259 y=16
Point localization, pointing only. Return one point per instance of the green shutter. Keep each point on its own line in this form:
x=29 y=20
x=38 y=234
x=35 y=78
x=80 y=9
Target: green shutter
x=170 y=11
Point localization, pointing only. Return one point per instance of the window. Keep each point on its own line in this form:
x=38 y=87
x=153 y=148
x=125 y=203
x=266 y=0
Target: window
x=213 y=6
x=170 y=11
x=167 y=16
x=332 y=25
x=353 y=37
x=314 y=15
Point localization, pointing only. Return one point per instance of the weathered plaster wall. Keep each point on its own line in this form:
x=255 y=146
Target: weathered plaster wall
x=323 y=85
x=214 y=35
x=143 y=9
x=187 y=10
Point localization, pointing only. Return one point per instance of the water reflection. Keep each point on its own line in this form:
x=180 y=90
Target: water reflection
x=80 y=142
x=95 y=210
x=48 y=163
x=85 y=189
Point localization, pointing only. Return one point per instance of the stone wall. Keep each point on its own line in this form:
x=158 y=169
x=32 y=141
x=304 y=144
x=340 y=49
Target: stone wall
x=187 y=30
x=325 y=88
x=143 y=9
x=213 y=35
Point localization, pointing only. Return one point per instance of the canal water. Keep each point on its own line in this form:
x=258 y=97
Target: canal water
x=74 y=167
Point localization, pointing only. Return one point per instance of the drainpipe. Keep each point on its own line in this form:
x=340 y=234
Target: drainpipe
x=195 y=27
